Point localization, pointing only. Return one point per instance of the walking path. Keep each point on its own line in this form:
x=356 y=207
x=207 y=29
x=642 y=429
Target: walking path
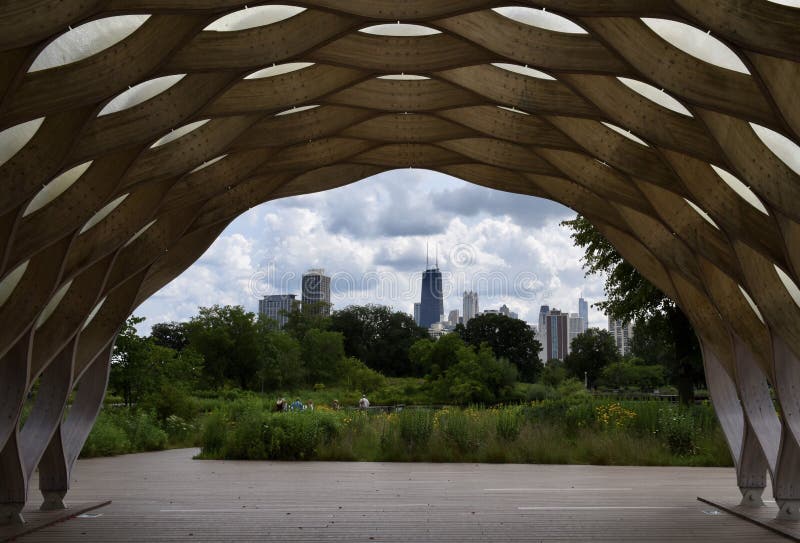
x=167 y=496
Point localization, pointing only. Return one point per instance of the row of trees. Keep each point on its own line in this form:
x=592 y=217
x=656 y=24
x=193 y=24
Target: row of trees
x=356 y=346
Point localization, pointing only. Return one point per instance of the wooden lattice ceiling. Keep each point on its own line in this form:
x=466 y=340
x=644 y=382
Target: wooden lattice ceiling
x=94 y=217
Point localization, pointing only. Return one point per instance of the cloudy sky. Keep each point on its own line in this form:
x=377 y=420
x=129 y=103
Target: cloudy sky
x=371 y=238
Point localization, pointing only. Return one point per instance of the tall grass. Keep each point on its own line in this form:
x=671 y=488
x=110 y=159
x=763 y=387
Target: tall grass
x=574 y=431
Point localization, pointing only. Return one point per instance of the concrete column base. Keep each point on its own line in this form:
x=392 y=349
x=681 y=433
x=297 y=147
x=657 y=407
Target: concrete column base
x=11 y=514
x=751 y=497
x=789 y=510
x=53 y=500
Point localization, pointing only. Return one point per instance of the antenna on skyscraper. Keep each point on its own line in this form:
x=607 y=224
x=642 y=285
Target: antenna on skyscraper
x=437 y=255
x=426 y=254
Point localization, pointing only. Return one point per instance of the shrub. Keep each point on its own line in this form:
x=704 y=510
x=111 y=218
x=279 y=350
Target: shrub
x=143 y=431
x=106 y=438
x=213 y=438
x=416 y=427
x=538 y=392
x=677 y=428
x=508 y=424
x=455 y=426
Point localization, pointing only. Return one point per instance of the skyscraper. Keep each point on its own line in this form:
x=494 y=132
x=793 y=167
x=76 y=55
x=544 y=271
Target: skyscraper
x=431 y=301
x=277 y=307
x=575 y=327
x=317 y=292
x=556 y=325
x=583 y=311
x=470 y=305
x=622 y=333
x=541 y=331
x=416 y=312
x=452 y=317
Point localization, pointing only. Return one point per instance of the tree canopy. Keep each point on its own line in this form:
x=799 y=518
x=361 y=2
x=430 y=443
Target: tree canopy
x=508 y=338
x=590 y=353
x=631 y=297
x=378 y=336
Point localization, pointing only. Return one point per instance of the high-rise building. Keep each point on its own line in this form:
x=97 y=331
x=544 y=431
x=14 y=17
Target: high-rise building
x=583 y=311
x=541 y=332
x=575 y=328
x=622 y=334
x=452 y=317
x=504 y=310
x=317 y=292
x=431 y=299
x=556 y=326
x=416 y=312
x=277 y=307
x=470 y=305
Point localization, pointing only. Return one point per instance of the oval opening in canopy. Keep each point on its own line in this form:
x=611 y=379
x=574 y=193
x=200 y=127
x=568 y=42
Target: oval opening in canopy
x=741 y=189
x=540 y=19
x=791 y=286
x=93 y=314
x=278 y=69
x=140 y=93
x=781 y=146
x=86 y=40
x=56 y=188
x=514 y=110
x=295 y=110
x=523 y=70
x=104 y=212
x=404 y=77
x=14 y=138
x=697 y=43
x=254 y=17
x=702 y=213
x=141 y=231
x=751 y=303
x=655 y=95
x=178 y=133
x=627 y=133
x=51 y=306
x=10 y=281
x=400 y=30
x=208 y=163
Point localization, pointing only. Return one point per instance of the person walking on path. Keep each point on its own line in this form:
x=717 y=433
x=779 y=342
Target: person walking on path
x=363 y=403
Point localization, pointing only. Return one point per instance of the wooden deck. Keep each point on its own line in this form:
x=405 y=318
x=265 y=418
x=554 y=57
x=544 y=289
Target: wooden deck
x=167 y=496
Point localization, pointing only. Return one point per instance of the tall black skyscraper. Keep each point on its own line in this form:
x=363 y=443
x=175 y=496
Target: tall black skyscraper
x=431 y=299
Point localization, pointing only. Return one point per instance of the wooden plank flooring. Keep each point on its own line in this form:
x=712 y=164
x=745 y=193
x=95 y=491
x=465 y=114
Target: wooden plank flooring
x=167 y=496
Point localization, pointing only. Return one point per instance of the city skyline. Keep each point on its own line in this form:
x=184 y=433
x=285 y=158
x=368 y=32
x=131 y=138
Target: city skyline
x=378 y=228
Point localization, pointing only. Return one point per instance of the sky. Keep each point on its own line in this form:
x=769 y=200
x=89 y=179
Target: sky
x=371 y=238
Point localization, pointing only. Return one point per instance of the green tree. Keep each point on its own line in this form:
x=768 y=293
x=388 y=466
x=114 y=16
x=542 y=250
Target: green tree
x=633 y=373
x=130 y=376
x=378 y=336
x=419 y=355
x=477 y=377
x=228 y=339
x=299 y=322
x=591 y=351
x=355 y=375
x=170 y=334
x=632 y=297
x=283 y=363
x=444 y=354
x=553 y=373
x=508 y=338
x=322 y=351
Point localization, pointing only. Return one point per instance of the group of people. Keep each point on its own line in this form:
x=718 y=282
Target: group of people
x=283 y=404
